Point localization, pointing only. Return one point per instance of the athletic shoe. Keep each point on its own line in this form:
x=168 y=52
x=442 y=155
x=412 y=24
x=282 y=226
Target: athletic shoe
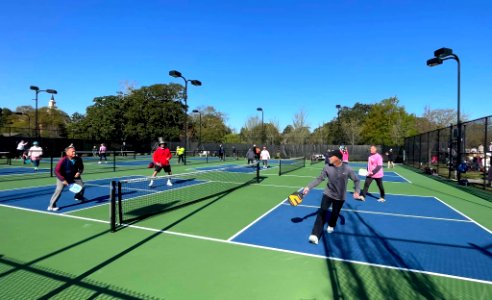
x=313 y=239
x=169 y=183
x=99 y=162
x=52 y=208
x=330 y=229
x=381 y=200
x=151 y=183
x=361 y=198
x=81 y=199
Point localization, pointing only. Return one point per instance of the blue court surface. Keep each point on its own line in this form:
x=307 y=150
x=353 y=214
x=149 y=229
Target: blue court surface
x=406 y=232
x=390 y=177
x=96 y=192
x=38 y=198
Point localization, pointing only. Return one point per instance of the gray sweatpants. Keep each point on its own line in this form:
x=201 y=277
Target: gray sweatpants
x=59 y=189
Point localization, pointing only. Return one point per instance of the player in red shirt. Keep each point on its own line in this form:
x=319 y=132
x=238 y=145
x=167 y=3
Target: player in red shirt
x=161 y=158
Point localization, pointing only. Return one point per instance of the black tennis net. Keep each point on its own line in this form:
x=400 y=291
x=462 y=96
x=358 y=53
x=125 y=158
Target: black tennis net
x=135 y=199
x=291 y=164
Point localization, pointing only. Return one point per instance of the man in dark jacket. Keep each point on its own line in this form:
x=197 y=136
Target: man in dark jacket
x=68 y=170
x=337 y=174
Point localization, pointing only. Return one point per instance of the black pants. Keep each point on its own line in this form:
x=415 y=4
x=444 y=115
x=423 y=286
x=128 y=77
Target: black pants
x=323 y=214
x=368 y=182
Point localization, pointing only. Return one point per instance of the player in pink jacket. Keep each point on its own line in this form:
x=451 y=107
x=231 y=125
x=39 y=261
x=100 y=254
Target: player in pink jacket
x=374 y=172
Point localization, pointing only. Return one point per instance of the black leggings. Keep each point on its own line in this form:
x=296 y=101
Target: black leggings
x=323 y=214
x=368 y=182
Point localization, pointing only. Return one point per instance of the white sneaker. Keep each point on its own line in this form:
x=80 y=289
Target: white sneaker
x=52 y=208
x=151 y=183
x=330 y=229
x=99 y=162
x=313 y=239
x=361 y=198
x=381 y=200
x=169 y=183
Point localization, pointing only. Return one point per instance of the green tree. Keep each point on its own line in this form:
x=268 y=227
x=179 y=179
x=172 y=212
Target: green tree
x=387 y=123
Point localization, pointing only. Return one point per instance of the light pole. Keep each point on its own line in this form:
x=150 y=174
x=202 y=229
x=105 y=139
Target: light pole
x=200 y=135
x=176 y=74
x=338 y=106
x=37 y=91
x=262 y=126
x=441 y=55
x=28 y=117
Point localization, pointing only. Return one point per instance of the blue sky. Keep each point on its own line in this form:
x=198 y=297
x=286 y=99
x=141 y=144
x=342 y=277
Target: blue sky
x=285 y=56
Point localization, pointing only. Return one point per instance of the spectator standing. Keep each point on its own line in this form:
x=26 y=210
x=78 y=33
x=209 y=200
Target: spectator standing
x=102 y=153
x=180 y=151
x=264 y=156
x=389 y=154
x=35 y=153
x=221 y=152
x=250 y=155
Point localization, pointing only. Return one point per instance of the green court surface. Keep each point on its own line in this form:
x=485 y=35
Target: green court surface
x=187 y=253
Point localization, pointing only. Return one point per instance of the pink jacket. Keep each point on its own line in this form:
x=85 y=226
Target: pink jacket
x=373 y=162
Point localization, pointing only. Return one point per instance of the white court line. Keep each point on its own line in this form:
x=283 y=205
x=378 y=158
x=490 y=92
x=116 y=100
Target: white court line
x=390 y=214
x=265 y=248
x=403 y=177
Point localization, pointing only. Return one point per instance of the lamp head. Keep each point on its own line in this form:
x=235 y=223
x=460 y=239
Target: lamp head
x=338 y=106
x=51 y=91
x=443 y=52
x=195 y=111
x=34 y=88
x=259 y=109
x=196 y=82
x=174 y=73
x=434 y=62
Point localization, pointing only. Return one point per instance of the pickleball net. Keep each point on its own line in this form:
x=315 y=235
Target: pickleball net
x=134 y=199
x=291 y=164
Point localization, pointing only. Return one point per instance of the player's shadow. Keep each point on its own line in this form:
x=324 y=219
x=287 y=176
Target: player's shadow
x=299 y=219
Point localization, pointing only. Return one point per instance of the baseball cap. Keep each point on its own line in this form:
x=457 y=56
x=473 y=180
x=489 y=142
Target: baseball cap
x=336 y=153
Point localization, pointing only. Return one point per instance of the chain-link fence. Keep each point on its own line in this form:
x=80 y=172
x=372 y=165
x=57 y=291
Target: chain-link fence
x=443 y=152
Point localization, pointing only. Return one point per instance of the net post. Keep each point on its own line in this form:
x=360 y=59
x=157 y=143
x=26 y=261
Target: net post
x=114 y=161
x=120 y=210
x=51 y=166
x=112 y=207
x=280 y=167
x=258 y=172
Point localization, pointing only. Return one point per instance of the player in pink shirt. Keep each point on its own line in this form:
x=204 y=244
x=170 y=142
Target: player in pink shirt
x=374 y=172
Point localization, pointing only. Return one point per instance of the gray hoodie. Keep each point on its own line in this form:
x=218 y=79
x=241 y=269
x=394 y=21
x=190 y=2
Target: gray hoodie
x=337 y=181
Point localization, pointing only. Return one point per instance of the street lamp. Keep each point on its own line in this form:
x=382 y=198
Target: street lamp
x=176 y=74
x=37 y=91
x=28 y=117
x=262 y=126
x=338 y=107
x=441 y=55
x=200 y=135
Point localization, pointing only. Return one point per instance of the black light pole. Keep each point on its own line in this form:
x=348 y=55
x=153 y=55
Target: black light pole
x=441 y=55
x=37 y=90
x=176 y=74
x=200 y=136
x=262 y=126
x=338 y=106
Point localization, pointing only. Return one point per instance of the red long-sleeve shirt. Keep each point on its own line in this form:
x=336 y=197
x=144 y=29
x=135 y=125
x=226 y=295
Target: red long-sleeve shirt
x=162 y=156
